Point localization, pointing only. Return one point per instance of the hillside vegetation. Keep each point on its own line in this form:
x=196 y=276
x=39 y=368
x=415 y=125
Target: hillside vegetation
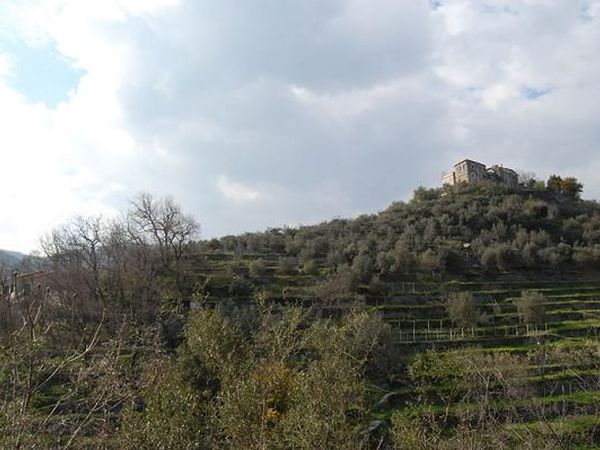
x=466 y=318
x=467 y=229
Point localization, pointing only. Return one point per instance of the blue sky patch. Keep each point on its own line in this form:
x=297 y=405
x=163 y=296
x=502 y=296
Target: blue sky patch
x=41 y=74
x=499 y=9
x=532 y=93
x=585 y=13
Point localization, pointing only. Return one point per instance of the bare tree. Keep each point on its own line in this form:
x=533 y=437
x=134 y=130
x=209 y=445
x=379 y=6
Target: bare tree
x=76 y=264
x=161 y=222
x=526 y=178
x=98 y=265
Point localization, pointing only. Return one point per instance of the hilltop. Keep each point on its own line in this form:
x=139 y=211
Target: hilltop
x=460 y=230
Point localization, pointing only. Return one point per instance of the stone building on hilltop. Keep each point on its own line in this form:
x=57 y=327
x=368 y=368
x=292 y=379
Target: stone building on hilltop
x=469 y=172
x=503 y=175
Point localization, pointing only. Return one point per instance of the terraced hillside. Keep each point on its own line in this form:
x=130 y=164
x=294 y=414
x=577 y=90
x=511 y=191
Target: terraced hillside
x=534 y=382
x=556 y=359
x=463 y=319
x=488 y=245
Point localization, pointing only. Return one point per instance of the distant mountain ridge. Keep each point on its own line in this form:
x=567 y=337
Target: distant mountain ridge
x=10 y=258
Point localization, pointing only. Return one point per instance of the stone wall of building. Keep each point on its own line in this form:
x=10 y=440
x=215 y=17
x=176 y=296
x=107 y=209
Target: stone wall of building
x=468 y=171
x=504 y=175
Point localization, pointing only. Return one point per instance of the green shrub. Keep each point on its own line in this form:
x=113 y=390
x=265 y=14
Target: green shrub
x=310 y=267
x=257 y=268
x=287 y=265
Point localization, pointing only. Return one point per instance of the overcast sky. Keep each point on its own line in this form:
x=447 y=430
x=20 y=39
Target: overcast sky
x=259 y=113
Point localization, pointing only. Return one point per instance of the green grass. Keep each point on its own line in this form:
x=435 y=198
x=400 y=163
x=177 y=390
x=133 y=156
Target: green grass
x=578 y=398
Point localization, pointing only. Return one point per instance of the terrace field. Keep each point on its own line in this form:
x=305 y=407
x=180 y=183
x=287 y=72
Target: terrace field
x=554 y=363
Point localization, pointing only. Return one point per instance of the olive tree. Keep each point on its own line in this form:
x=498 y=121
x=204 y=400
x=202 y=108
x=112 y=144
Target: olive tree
x=531 y=306
x=462 y=309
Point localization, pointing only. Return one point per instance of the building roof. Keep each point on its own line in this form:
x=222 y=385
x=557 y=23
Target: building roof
x=498 y=168
x=471 y=161
x=31 y=275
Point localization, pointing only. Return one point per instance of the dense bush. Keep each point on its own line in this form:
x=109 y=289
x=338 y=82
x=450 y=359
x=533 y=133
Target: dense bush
x=290 y=383
x=257 y=268
x=287 y=265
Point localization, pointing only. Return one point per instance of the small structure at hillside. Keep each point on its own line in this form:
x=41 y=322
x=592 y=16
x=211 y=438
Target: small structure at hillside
x=24 y=283
x=470 y=172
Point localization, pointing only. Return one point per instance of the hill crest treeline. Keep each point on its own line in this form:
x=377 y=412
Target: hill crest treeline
x=460 y=229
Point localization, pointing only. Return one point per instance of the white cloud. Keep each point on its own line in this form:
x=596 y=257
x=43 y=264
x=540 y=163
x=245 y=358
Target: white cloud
x=73 y=158
x=236 y=191
x=313 y=109
x=494 y=95
x=347 y=104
